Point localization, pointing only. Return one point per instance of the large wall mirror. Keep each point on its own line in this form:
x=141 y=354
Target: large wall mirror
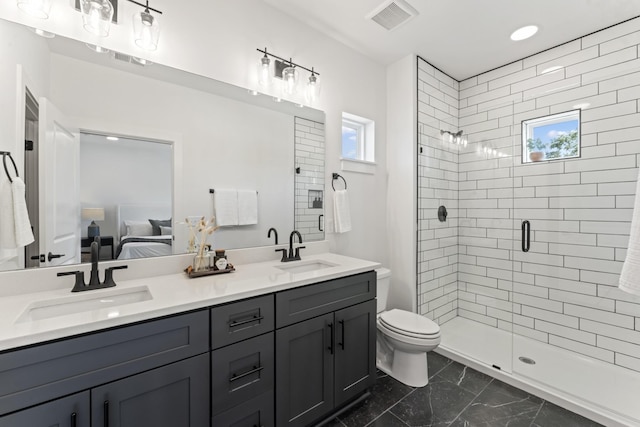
x=118 y=143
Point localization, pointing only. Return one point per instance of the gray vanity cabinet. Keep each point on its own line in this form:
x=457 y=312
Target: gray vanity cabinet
x=70 y=411
x=325 y=356
x=170 y=396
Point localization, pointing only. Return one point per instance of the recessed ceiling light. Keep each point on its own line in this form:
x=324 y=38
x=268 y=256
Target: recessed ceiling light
x=524 y=32
x=113 y=138
x=551 y=69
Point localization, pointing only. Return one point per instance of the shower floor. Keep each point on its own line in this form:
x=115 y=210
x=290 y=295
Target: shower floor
x=598 y=390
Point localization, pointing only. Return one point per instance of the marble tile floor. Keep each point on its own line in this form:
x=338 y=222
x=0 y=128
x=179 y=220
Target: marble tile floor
x=456 y=396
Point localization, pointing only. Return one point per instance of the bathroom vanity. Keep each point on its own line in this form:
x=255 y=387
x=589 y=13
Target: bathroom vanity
x=270 y=345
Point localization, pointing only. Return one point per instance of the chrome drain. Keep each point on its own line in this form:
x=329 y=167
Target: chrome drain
x=527 y=360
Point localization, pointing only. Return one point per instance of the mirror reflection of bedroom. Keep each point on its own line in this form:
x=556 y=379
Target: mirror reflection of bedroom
x=125 y=196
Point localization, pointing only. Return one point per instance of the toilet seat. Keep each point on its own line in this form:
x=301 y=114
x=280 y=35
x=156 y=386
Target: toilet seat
x=409 y=324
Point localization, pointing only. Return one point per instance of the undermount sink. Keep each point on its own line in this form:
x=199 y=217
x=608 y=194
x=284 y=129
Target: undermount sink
x=304 y=266
x=86 y=301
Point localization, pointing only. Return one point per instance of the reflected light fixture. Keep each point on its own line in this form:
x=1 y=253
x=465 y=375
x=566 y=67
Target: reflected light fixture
x=146 y=27
x=551 y=69
x=524 y=33
x=43 y=33
x=97 y=16
x=36 y=8
x=96 y=48
x=455 y=138
x=264 y=70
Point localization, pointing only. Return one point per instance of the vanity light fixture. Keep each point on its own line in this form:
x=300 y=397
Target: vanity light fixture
x=253 y=92
x=96 y=48
x=146 y=27
x=43 y=33
x=287 y=70
x=37 y=8
x=524 y=33
x=264 y=70
x=97 y=16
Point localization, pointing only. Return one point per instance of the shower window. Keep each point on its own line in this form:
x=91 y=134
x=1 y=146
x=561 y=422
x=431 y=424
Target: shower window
x=551 y=137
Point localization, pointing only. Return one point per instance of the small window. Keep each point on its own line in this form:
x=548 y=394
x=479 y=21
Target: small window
x=357 y=138
x=552 y=137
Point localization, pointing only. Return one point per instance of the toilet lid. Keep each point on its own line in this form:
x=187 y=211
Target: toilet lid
x=406 y=321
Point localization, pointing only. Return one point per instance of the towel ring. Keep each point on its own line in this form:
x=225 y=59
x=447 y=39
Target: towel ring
x=4 y=163
x=336 y=176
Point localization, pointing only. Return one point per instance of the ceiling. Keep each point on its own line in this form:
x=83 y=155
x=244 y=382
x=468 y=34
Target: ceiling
x=463 y=38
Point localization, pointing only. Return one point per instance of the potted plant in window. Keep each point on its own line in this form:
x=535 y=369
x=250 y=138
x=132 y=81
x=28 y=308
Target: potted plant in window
x=535 y=148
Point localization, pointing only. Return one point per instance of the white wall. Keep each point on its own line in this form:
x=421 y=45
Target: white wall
x=219 y=40
x=122 y=172
x=16 y=47
x=401 y=163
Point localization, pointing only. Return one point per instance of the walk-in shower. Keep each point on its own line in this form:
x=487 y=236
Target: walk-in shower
x=522 y=276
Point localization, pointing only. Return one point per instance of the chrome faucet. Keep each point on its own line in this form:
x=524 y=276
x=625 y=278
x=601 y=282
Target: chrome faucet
x=94 y=281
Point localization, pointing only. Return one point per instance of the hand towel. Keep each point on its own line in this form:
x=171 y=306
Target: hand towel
x=630 y=277
x=7 y=224
x=23 y=231
x=226 y=206
x=247 y=207
x=341 y=211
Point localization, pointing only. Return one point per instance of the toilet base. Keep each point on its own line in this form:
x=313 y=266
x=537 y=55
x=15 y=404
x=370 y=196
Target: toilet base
x=408 y=368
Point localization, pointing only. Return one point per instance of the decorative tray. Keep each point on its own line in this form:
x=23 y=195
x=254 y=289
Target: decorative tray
x=208 y=272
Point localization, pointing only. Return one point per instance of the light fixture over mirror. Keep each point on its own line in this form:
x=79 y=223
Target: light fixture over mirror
x=97 y=16
x=146 y=27
x=36 y=8
x=287 y=70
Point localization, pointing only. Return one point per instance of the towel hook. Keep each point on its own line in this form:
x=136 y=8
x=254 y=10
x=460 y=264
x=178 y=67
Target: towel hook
x=336 y=176
x=4 y=163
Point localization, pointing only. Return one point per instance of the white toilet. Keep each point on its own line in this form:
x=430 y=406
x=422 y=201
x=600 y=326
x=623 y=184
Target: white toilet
x=403 y=339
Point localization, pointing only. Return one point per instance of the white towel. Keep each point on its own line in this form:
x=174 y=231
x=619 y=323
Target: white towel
x=24 y=233
x=341 y=211
x=630 y=277
x=247 y=207
x=7 y=223
x=226 y=205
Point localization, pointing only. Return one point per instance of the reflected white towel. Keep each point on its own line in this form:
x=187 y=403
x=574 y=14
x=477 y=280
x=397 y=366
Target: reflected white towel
x=630 y=277
x=7 y=223
x=24 y=233
x=341 y=211
x=226 y=205
x=247 y=207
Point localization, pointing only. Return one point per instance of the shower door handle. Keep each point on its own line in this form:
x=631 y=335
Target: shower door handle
x=526 y=236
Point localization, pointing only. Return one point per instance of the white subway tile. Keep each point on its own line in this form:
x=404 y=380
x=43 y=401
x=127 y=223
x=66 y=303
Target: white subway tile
x=582 y=251
x=551 y=317
x=628 y=308
x=608 y=98
x=549 y=214
x=519 y=76
x=571 y=94
x=619 y=82
x=566 y=285
x=592 y=264
x=603 y=61
x=612 y=71
x=618 y=346
x=551 y=54
x=622 y=228
x=544 y=84
x=531 y=333
x=614 y=123
x=628 y=361
x=631 y=147
x=534 y=180
x=611 y=33
x=478 y=317
x=618 y=162
x=567 y=190
x=619 y=135
x=562 y=237
x=561 y=272
x=608 y=111
x=571 y=58
x=563 y=331
x=543 y=303
x=617 y=189
x=615 y=175
x=600 y=316
x=531 y=290
x=499 y=72
x=578 y=347
x=471 y=306
x=598 y=214
x=583 y=202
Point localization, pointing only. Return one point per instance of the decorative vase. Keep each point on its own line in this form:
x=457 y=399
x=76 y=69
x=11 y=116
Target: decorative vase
x=536 y=156
x=201 y=262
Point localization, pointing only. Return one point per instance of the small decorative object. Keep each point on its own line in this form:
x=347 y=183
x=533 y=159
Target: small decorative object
x=536 y=156
x=93 y=214
x=203 y=229
x=220 y=260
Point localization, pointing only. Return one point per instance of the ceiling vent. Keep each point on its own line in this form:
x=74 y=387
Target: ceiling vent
x=392 y=14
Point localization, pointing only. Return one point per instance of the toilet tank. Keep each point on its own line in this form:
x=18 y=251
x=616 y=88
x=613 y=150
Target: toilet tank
x=384 y=283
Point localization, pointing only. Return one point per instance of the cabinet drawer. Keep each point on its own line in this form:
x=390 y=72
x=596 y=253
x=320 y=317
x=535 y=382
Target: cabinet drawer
x=44 y=372
x=241 y=320
x=256 y=412
x=70 y=411
x=314 y=300
x=241 y=371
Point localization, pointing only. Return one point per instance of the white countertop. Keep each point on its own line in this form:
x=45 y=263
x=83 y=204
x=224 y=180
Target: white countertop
x=171 y=294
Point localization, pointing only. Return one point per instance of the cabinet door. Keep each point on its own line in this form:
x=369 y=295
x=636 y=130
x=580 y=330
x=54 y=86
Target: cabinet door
x=257 y=412
x=71 y=411
x=304 y=371
x=355 y=363
x=170 y=396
